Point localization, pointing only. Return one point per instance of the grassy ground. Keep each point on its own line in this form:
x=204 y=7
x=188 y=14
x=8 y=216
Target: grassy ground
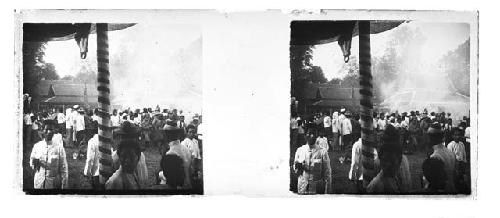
x=342 y=184
x=76 y=180
x=340 y=172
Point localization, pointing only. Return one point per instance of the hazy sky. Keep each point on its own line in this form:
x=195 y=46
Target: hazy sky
x=156 y=40
x=144 y=64
x=441 y=38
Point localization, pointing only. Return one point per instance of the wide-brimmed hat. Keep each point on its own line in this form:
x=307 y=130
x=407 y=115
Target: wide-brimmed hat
x=127 y=129
x=434 y=128
x=75 y=106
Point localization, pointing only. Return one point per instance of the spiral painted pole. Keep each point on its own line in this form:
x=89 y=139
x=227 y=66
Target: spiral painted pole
x=105 y=134
x=366 y=91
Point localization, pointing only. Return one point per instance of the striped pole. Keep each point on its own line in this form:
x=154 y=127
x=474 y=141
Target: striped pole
x=365 y=81
x=105 y=134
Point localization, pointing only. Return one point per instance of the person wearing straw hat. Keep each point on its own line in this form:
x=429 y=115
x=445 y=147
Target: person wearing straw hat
x=127 y=132
x=126 y=177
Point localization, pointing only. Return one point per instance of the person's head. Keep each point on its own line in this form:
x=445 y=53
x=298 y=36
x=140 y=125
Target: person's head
x=173 y=169
x=321 y=133
x=457 y=134
x=390 y=151
x=435 y=134
x=173 y=133
x=48 y=131
x=191 y=131
x=434 y=173
x=310 y=137
x=129 y=153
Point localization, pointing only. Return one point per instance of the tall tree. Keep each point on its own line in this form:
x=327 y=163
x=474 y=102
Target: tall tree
x=34 y=66
x=49 y=72
x=33 y=53
x=456 y=65
x=302 y=70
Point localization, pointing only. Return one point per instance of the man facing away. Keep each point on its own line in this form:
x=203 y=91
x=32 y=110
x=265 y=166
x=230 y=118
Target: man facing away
x=69 y=126
x=312 y=164
x=327 y=125
x=172 y=135
x=440 y=152
x=91 y=169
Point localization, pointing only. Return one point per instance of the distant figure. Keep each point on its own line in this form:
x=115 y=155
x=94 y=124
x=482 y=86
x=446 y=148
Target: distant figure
x=335 y=130
x=80 y=127
x=61 y=121
x=327 y=125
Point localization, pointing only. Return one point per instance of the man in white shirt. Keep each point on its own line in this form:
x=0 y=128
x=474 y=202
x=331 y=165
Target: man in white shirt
x=48 y=159
x=335 y=130
x=91 y=169
x=457 y=147
x=327 y=124
x=345 y=130
x=312 y=165
x=192 y=144
x=381 y=122
x=322 y=141
x=27 y=128
x=69 y=126
x=61 y=119
x=115 y=120
x=80 y=127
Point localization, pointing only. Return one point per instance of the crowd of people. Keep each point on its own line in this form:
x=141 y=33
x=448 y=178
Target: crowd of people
x=444 y=142
x=47 y=132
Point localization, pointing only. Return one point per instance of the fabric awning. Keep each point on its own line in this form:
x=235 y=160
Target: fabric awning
x=324 y=31
x=43 y=32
